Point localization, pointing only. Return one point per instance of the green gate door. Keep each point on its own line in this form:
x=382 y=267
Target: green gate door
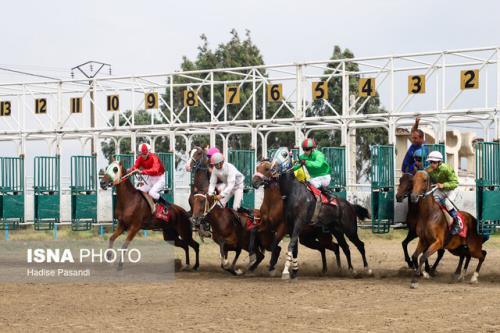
x=168 y=162
x=335 y=157
x=244 y=161
x=382 y=187
x=11 y=192
x=47 y=195
x=127 y=162
x=83 y=192
x=488 y=186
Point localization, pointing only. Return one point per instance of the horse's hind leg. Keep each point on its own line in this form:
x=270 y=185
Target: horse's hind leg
x=353 y=237
x=458 y=272
x=345 y=247
x=196 y=248
x=183 y=244
x=260 y=257
x=481 y=258
x=233 y=265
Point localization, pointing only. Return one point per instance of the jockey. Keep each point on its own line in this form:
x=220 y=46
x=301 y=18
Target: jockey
x=150 y=165
x=211 y=151
x=319 y=170
x=231 y=181
x=418 y=156
x=446 y=181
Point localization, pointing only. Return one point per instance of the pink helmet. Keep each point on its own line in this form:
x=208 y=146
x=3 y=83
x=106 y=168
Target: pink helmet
x=212 y=151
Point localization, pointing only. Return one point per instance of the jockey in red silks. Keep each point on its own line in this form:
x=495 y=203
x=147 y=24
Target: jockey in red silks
x=151 y=166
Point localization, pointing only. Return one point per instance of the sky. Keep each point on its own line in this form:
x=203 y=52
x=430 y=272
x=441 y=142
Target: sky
x=139 y=37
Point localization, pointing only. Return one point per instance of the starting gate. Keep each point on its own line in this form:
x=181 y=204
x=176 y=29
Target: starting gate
x=168 y=161
x=488 y=186
x=336 y=159
x=244 y=161
x=382 y=187
x=47 y=193
x=11 y=192
x=83 y=192
x=127 y=162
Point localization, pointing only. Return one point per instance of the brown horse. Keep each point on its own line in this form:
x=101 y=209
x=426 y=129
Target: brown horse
x=432 y=230
x=228 y=230
x=273 y=226
x=134 y=213
x=404 y=189
x=199 y=164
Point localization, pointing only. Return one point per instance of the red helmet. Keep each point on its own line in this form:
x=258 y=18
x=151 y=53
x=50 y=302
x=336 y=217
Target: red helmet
x=309 y=143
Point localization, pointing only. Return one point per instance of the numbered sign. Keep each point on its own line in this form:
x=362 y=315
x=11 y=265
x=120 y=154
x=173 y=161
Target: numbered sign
x=367 y=87
x=233 y=95
x=40 y=106
x=5 y=108
x=151 y=100
x=416 y=84
x=190 y=98
x=274 y=92
x=469 y=79
x=76 y=105
x=320 y=90
x=113 y=103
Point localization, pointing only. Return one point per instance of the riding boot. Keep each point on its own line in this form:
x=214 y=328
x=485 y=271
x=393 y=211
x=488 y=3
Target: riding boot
x=164 y=202
x=456 y=227
x=245 y=211
x=328 y=192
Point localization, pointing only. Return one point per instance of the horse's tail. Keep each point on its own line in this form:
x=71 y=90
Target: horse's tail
x=484 y=236
x=361 y=212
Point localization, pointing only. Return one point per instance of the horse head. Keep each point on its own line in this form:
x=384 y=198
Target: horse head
x=263 y=174
x=197 y=159
x=202 y=205
x=113 y=175
x=405 y=186
x=421 y=186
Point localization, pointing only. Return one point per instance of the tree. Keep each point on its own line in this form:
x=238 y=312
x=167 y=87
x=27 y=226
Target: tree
x=364 y=137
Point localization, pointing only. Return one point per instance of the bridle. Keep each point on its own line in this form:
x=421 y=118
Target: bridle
x=200 y=163
x=207 y=208
x=430 y=188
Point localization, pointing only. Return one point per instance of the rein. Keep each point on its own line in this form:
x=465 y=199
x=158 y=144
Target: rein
x=208 y=208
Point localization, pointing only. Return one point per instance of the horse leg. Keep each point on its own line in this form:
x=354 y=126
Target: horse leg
x=481 y=258
x=260 y=257
x=224 y=264
x=196 y=248
x=233 y=265
x=467 y=261
x=440 y=254
x=118 y=231
x=334 y=247
x=292 y=248
x=345 y=247
x=315 y=245
x=427 y=253
x=275 y=248
x=130 y=236
x=414 y=257
x=183 y=244
x=295 y=261
x=353 y=237
x=409 y=237
x=458 y=272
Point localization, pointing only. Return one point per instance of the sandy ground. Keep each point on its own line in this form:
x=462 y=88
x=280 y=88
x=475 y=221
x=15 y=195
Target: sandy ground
x=211 y=299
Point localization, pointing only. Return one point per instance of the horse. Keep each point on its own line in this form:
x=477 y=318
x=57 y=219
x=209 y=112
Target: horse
x=432 y=230
x=299 y=204
x=229 y=230
x=273 y=224
x=134 y=213
x=404 y=189
x=199 y=163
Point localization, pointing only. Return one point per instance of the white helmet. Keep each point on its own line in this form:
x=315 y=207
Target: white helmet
x=435 y=156
x=217 y=158
x=144 y=148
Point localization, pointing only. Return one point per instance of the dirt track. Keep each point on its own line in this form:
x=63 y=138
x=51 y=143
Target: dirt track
x=212 y=300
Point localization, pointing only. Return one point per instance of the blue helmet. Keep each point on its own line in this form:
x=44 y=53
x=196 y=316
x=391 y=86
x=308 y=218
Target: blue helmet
x=418 y=153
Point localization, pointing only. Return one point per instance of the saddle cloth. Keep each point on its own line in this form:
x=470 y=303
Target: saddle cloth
x=324 y=199
x=157 y=209
x=449 y=220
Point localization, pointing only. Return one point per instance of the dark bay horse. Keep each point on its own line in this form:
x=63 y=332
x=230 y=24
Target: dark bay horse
x=134 y=213
x=404 y=189
x=228 y=230
x=200 y=165
x=432 y=230
x=273 y=226
x=299 y=204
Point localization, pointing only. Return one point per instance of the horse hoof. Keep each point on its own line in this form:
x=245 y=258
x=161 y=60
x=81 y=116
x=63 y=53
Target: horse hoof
x=273 y=273
x=474 y=277
x=238 y=272
x=432 y=273
x=369 y=272
x=186 y=268
x=414 y=285
x=285 y=276
x=425 y=275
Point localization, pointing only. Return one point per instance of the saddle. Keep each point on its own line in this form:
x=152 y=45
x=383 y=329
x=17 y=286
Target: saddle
x=325 y=199
x=157 y=209
x=246 y=219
